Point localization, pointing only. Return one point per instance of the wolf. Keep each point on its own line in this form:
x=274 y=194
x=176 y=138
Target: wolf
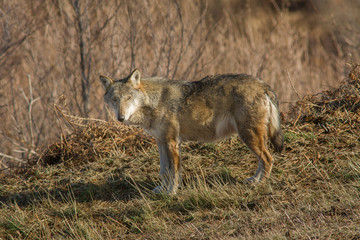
x=211 y=109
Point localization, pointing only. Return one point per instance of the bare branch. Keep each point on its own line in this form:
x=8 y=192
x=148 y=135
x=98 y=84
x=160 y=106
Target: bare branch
x=178 y=10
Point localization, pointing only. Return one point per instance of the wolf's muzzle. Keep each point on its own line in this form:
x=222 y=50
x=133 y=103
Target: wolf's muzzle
x=121 y=118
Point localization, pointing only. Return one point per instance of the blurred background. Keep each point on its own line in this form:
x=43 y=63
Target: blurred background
x=52 y=53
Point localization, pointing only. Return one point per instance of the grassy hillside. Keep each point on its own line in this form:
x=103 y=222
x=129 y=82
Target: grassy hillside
x=94 y=182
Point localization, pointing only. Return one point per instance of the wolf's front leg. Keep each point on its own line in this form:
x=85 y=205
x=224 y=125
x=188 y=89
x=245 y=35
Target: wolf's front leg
x=169 y=166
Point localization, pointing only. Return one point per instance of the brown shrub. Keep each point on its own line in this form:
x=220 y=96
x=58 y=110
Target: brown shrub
x=318 y=107
x=91 y=139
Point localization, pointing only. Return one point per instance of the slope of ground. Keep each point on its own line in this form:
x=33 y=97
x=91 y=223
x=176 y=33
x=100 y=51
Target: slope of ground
x=94 y=183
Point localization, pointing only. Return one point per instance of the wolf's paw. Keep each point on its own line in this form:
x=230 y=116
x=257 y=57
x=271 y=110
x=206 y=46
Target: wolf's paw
x=251 y=180
x=163 y=190
x=159 y=190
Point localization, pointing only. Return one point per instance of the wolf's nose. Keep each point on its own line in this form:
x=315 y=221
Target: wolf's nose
x=121 y=118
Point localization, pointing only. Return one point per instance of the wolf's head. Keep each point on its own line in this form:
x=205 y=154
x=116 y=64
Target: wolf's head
x=125 y=96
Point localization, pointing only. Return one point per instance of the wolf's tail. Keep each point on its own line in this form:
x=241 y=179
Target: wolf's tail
x=274 y=126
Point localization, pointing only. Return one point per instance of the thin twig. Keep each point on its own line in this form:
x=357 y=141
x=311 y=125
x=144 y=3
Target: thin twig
x=64 y=116
x=11 y=157
x=31 y=102
x=292 y=84
x=298 y=117
x=57 y=116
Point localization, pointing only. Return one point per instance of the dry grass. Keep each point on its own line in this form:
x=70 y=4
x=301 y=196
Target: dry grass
x=92 y=139
x=313 y=192
x=68 y=177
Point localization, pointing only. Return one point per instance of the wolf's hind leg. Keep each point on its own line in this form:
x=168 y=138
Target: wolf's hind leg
x=256 y=139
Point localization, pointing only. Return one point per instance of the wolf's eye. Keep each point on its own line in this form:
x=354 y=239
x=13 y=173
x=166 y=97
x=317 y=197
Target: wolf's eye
x=113 y=99
x=128 y=97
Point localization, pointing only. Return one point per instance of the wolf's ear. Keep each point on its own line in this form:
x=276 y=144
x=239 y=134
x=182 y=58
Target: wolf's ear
x=135 y=78
x=106 y=81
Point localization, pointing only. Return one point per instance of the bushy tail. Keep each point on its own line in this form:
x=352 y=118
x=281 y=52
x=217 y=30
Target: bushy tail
x=274 y=127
